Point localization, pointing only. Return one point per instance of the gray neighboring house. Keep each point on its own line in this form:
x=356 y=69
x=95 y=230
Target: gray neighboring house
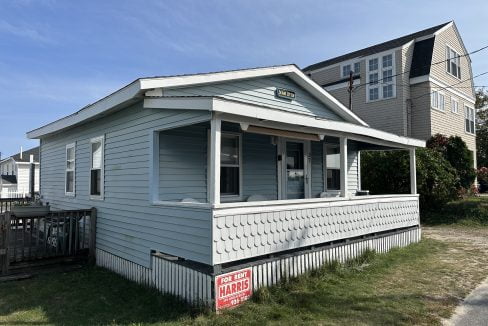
x=416 y=85
x=15 y=173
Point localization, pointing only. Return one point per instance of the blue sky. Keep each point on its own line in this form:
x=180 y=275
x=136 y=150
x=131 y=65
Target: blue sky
x=58 y=56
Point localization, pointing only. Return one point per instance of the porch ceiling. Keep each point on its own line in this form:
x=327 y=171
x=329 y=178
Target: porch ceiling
x=261 y=116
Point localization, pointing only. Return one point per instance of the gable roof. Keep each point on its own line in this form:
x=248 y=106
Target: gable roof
x=135 y=91
x=26 y=155
x=388 y=45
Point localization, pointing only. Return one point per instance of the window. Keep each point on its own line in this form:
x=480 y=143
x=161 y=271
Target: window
x=373 y=78
x=388 y=91
x=97 y=167
x=230 y=162
x=381 y=79
x=387 y=61
x=469 y=119
x=373 y=64
x=357 y=67
x=346 y=69
x=70 y=170
x=454 y=106
x=453 y=63
x=437 y=100
x=441 y=101
x=373 y=94
x=332 y=167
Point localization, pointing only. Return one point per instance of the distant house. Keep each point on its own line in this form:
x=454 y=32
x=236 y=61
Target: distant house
x=416 y=85
x=219 y=171
x=15 y=173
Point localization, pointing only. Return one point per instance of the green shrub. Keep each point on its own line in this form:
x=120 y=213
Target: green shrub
x=388 y=172
x=437 y=181
x=455 y=151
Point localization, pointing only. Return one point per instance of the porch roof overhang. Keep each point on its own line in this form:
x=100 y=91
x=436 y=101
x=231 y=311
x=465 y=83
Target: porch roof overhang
x=262 y=116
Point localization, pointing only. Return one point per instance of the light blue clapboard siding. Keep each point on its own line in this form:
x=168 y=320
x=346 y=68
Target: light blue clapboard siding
x=128 y=225
x=259 y=166
x=260 y=91
x=352 y=167
x=317 y=149
x=183 y=163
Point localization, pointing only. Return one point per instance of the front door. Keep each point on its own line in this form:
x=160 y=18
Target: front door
x=295 y=175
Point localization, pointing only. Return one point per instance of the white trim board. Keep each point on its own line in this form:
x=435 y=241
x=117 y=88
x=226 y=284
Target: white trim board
x=136 y=89
x=241 y=109
x=293 y=204
x=448 y=88
x=356 y=82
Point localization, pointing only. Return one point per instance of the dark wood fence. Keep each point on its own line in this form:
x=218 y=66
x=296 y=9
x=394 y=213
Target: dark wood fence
x=67 y=233
x=7 y=203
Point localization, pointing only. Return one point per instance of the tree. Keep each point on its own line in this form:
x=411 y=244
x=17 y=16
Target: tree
x=481 y=128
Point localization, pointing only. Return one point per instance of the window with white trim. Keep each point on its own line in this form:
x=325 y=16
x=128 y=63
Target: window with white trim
x=469 y=117
x=346 y=69
x=380 y=77
x=332 y=167
x=454 y=106
x=438 y=100
x=230 y=164
x=442 y=101
x=97 y=167
x=453 y=62
x=70 y=169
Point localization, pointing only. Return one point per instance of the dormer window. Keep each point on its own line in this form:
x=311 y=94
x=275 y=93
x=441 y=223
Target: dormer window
x=380 y=77
x=453 y=63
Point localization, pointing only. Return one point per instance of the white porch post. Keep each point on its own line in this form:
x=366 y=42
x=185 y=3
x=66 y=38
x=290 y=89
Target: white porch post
x=413 y=172
x=214 y=168
x=343 y=155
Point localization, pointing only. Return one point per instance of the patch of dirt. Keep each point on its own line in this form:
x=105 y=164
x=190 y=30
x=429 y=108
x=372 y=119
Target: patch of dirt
x=477 y=238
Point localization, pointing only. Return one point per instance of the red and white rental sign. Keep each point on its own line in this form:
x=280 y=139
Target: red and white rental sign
x=233 y=288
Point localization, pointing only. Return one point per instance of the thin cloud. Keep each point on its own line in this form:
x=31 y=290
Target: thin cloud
x=24 y=32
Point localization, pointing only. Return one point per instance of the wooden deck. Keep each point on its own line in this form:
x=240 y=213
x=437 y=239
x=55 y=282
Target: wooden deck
x=59 y=234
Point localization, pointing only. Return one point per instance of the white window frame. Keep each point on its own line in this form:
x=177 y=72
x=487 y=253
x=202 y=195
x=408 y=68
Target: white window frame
x=453 y=100
x=100 y=139
x=352 y=66
x=238 y=197
x=324 y=154
x=380 y=71
x=73 y=169
x=435 y=100
x=470 y=115
x=457 y=58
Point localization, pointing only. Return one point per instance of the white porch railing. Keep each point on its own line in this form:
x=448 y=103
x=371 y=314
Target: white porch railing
x=256 y=229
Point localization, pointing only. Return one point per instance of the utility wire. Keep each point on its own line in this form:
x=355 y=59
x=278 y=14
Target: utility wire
x=450 y=86
x=425 y=66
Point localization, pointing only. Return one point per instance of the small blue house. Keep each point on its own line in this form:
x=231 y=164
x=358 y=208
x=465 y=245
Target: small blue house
x=196 y=176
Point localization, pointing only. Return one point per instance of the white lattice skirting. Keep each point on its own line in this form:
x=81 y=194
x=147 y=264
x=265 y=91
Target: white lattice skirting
x=197 y=287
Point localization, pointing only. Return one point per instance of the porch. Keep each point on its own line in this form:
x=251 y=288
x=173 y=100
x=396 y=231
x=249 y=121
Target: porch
x=273 y=187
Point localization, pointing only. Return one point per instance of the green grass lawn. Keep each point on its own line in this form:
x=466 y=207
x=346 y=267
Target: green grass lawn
x=414 y=285
x=420 y=284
